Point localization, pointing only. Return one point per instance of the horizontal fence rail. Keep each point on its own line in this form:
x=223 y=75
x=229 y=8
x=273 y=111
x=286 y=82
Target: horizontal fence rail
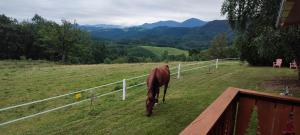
x=196 y=68
x=230 y=59
x=59 y=96
x=98 y=95
x=192 y=64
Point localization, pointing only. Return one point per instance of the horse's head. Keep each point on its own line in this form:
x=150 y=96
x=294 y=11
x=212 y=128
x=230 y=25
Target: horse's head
x=149 y=106
x=150 y=101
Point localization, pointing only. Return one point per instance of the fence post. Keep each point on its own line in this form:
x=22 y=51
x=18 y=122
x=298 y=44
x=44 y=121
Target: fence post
x=124 y=89
x=217 y=61
x=178 y=71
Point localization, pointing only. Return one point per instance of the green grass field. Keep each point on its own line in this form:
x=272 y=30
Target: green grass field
x=160 y=50
x=186 y=98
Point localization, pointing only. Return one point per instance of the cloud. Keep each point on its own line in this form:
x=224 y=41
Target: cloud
x=120 y=12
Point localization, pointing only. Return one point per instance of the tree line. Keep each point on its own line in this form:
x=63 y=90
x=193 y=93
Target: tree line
x=43 y=39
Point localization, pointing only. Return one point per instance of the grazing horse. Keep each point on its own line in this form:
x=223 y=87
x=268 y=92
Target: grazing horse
x=158 y=77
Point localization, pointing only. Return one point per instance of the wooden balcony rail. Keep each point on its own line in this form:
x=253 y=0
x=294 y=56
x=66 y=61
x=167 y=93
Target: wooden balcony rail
x=231 y=112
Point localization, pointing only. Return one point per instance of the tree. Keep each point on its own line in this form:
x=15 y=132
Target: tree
x=44 y=39
x=99 y=52
x=291 y=36
x=258 y=40
x=218 y=46
x=11 y=37
x=165 y=55
x=66 y=38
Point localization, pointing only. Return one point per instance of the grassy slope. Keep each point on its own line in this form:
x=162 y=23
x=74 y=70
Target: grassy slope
x=186 y=98
x=160 y=50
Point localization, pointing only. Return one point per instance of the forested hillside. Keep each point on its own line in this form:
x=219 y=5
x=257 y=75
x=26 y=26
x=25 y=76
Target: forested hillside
x=179 y=37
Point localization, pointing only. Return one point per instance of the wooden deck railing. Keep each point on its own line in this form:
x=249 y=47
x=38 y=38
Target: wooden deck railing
x=231 y=112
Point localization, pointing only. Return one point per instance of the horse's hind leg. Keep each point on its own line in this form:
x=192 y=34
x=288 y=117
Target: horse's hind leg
x=157 y=96
x=165 y=91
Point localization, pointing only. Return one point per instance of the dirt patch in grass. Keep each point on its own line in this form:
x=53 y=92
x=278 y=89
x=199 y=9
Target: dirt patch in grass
x=278 y=84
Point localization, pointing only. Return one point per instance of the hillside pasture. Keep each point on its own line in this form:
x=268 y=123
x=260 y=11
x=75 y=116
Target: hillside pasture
x=160 y=50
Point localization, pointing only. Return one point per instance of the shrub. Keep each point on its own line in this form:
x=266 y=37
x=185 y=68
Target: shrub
x=107 y=61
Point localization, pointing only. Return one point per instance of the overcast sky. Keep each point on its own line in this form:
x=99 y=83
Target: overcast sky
x=118 y=12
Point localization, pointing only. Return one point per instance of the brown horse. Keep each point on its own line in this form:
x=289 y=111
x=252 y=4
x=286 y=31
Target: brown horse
x=158 y=77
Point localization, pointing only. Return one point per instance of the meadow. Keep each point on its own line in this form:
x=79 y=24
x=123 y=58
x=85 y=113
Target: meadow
x=187 y=97
x=160 y=50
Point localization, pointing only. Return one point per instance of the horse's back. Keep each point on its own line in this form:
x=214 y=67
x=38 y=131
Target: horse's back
x=163 y=75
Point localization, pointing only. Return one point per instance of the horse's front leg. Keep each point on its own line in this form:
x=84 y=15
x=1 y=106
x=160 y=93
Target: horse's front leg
x=165 y=91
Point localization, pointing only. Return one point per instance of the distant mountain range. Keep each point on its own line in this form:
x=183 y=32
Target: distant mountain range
x=190 y=34
x=102 y=26
x=192 y=22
